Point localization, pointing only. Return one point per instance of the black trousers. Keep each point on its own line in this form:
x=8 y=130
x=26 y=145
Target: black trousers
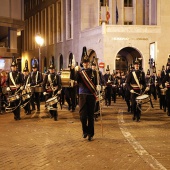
x=53 y=113
x=168 y=100
x=87 y=106
x=35 y=98
x=135 y=108
x=108 y=94
x=162 y=101
x=70 y=96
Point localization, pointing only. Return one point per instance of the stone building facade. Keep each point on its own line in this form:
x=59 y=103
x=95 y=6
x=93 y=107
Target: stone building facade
x=115 y=31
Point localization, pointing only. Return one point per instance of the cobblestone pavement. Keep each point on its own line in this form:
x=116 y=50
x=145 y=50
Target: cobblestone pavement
x=41 y=143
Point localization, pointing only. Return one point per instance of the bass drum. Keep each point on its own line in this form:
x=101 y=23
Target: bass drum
x=65 y=78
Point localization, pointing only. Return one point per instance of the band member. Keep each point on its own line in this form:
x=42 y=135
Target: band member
x=36 y=79
x=114 y=87
x=166 y=86
x=87 y=81
x=52 y=85
x=161 y=93
x=108 y=90
x=127 y=94
x=71 y=92
x=27 y=89
x=14 y=82
x=136 y=85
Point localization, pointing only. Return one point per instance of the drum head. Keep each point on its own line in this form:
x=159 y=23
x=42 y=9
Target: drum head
x=142 y=97
x=51 y=99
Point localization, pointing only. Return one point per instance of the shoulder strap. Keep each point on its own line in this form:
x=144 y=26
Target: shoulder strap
x=12 y=79
x=136 y=79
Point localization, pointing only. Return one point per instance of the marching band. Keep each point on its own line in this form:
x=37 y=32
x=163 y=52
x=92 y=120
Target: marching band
x=23 y=90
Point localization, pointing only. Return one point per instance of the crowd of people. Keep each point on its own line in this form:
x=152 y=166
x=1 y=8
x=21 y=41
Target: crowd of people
x=87 y=85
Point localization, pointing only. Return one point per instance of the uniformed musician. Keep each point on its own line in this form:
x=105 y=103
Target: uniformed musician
x=14 y=85
x=27 y=90
x=87 y=81
x=108 y=90
x=166 y=86
x=136 y=84
x=52 y=85
x=36 y=79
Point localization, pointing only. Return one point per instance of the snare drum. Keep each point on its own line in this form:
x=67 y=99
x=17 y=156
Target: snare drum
x=52 y=101
x=25 y=97
x=65 y=78
x=13 y=98
x=38 y=89
x=142 y=99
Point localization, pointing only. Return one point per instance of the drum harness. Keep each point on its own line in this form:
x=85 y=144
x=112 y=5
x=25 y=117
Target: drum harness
x=140 y=87
x=26 y=85
x=8 y=108
x=53 y=89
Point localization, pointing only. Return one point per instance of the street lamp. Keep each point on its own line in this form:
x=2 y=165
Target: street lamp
x=40 y=41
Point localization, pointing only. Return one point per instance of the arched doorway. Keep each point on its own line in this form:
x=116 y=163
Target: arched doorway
x=126 y=57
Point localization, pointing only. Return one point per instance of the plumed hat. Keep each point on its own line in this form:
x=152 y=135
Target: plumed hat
x=136 y=61
x=168 y=62
x=51 y=66
x=26 y=69
x=34 y=65
x=13 y=64
x=148 y=72
x=107 y=69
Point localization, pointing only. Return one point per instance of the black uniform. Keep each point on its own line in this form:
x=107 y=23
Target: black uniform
x=87 y=102
x=36 y=79
x=52 y=84
x=167 y=80
x=132 y=84
x=15 y=79
x=27 y=91
x=108 y=90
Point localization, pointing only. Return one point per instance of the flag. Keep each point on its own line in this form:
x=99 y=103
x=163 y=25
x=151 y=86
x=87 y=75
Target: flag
x=107 y=14
x=117 y=14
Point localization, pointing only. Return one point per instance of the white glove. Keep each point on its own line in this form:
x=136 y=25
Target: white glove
x=132 y=91
x=108 y=81
x=147 y=89
x=166 y=84
x=59 y=92
x=103 y=87
x=98 y=87
x=8 y=89
x=28 y=85
x=44 y=93
x=22 y=87
x=165 y=88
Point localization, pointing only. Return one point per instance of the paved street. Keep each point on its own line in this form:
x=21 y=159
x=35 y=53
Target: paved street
x=41 y=143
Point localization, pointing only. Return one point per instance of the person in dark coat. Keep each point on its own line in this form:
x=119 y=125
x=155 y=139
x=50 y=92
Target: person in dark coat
x=14 y=86
x=52 y=85
x=136 y=84
x=87 y=81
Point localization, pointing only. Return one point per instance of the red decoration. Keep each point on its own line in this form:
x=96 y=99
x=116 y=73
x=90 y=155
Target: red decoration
x=101 y=65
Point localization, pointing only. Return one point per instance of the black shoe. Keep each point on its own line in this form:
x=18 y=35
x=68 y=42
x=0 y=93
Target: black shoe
x=133 y=118
x=138 y=120
x=168 y=114
x=90 y=138
x=84 y=135
x=55 y=118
